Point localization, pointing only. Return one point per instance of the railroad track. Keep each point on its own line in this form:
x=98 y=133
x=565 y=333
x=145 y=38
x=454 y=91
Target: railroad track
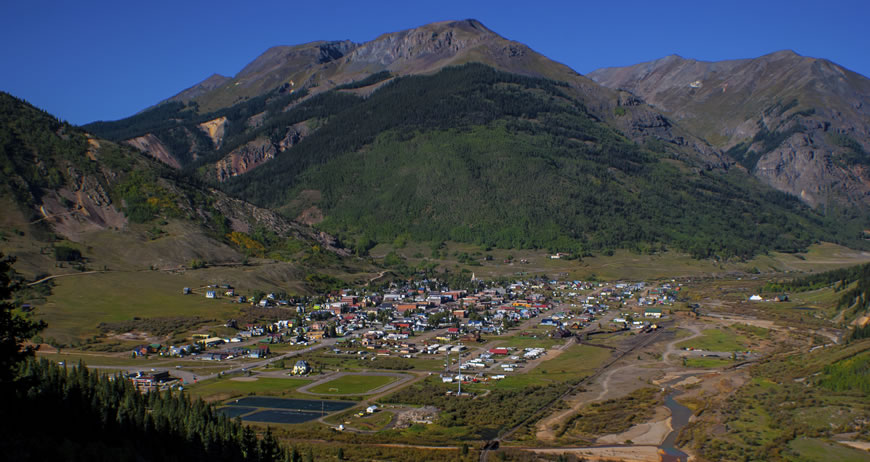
x=494 y=443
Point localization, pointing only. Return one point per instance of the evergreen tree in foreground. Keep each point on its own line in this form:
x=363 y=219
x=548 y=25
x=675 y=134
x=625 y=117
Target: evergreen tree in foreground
x=50 y=412
x=14 y=329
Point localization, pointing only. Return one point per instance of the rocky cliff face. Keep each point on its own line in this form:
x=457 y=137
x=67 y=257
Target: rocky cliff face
x=258 y=152
x=800 y=124
x=155 y=148
x=244 y=216
x=215 y=130
x=812 y=171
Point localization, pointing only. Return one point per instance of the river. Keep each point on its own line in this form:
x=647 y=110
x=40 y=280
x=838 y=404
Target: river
x=679 y=418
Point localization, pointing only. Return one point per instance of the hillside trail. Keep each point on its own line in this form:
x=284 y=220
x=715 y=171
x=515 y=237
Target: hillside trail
x=671 y=346
x=48 y=278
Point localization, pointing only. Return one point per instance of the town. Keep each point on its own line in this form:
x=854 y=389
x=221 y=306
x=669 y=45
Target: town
x=419 y=319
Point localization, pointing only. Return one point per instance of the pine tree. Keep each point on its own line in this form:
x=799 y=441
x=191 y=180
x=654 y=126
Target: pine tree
x=269 y=450
x=14 y=329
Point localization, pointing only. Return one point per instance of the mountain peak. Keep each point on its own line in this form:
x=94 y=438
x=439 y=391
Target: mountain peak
x=311 y=53
x=212 y=82
x=460 y=23
x=784 y=54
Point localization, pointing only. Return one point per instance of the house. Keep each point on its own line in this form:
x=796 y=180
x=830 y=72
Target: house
x=186 y=291
x=371 y=409
x=212 y=341
x=300 y=368
x=653 y=313
x=261 y=352
x=141 y=350
x=152 y=380
x=315 y=335
x=498 y=351
x=180 y=350
x=210 y=294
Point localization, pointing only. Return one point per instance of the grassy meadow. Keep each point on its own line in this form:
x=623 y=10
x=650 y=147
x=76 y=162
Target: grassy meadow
x=225 y=388
x=80 y=303
x=353 y=384
x=573 y=363
x=719 y=339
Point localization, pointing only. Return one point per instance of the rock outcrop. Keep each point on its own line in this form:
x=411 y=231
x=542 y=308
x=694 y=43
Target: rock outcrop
x=151 y=145
x=257 y=152
x=800 y=124
x=215 y=130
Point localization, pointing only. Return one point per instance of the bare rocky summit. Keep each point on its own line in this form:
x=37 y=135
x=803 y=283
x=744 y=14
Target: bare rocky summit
x=319 y=66
x=800 y=124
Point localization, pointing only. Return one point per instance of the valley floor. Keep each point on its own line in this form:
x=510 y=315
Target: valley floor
x=682 y=391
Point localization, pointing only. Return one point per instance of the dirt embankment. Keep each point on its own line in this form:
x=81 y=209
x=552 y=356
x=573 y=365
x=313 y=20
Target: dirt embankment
x=155 y=148
x=628 y=453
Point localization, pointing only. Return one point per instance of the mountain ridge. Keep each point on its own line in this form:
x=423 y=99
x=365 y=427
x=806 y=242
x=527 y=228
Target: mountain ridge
x=309 y=70
x=61 y=184
x=800 y=124
x=285 y=134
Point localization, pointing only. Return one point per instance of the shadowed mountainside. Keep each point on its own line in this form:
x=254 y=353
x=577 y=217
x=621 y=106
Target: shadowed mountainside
x=800 y=124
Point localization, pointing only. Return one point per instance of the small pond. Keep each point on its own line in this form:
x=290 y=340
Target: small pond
x=281 y=416
x=296 y=404
x=235 y=411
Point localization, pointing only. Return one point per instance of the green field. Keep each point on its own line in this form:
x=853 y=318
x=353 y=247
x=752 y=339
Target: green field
x=225 y=388
x=373 y=422
x=124 y=361
x=707 y=362
x=353 y=363
x=621 y=265
x=806 y=450
x=717 y=340
x=79 y=303
x=538 y=340
x=575 y=362
x=352 y=384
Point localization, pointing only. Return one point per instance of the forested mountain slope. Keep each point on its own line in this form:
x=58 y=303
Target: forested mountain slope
x=451 y=132
x=476 y=155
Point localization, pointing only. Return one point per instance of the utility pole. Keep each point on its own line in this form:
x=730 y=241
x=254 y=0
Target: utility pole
x=460 y=375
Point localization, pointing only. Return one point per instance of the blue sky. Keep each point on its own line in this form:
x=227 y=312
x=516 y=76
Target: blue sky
x=104 y=60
